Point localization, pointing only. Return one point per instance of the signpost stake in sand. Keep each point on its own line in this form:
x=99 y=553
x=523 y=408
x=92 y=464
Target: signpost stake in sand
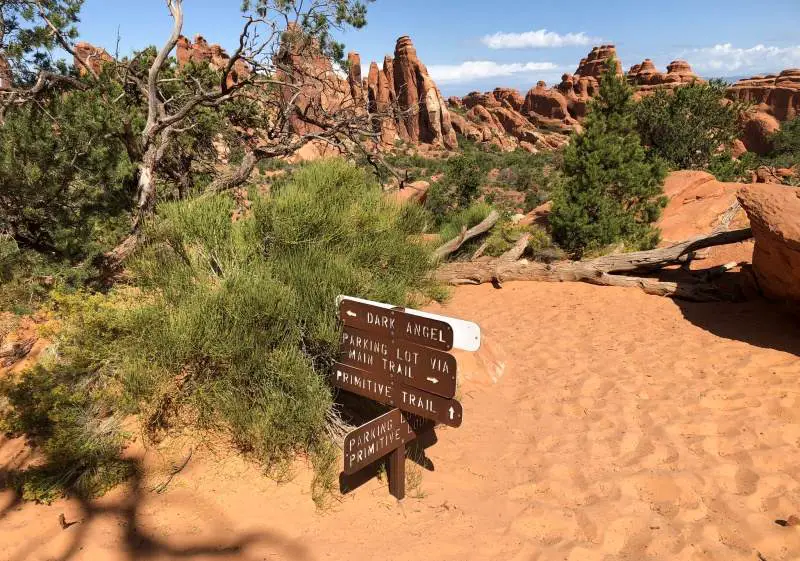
x=396 y=357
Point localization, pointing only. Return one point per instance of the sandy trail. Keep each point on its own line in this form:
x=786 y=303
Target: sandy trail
x=599 y=424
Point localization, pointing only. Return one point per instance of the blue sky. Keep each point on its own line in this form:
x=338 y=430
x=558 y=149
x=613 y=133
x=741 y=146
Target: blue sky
x=478 y=45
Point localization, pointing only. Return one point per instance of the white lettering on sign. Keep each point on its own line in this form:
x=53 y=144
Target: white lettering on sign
x=368 y=443
x=424 y=332
x=380 y=320
x=365 y=343
x=440 y=365
x=364 y=383
x=420 y=402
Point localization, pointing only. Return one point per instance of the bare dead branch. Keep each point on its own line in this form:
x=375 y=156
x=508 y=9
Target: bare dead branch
x=453 y=245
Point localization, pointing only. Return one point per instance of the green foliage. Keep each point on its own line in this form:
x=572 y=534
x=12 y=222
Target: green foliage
x=67 y=179
x=63 y=410
x=465 y=218
x=28 y=41
x=786 y=151
x=9 y=252
x=787 y=139
x=542 y=248
x=686 y=127
x=234 y=325
x=612 y=191
x=726 y=168
x=318 y=22
x=459 y=187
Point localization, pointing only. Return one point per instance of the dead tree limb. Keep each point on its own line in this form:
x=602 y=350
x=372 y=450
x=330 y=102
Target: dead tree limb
x=642 y=261
x=455 y=243
x=598 y=271
x=517 y=250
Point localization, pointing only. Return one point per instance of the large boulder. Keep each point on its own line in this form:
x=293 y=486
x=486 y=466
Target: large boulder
x=773 y=211
x=696 y=204
x=757 y=130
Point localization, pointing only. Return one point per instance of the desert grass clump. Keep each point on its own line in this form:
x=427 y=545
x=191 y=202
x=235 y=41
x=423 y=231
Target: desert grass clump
x=232 y=326
x=242 y=323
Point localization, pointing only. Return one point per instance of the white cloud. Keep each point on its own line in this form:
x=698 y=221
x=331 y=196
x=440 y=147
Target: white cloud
x=725 y=58
x=479 y=69
x=536 y=39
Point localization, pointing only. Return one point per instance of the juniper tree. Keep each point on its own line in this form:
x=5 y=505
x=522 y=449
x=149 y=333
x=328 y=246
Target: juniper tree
x=687 y=126
x=612 y=191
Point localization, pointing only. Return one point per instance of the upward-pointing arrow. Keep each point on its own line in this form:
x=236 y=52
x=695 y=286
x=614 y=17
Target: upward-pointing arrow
x=452 y=411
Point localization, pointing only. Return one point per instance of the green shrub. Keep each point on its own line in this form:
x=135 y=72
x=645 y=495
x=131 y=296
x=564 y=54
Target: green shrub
x=234 y=325
x=786 y=143
x=726 y=168
x=612 y=191
x=9 y=252
x=457 y=189
x=686 y=126
x=61 y=411
x=787 y=139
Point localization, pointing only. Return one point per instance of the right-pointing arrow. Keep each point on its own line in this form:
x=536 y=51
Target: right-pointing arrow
x=432 y=380
x=352 y=314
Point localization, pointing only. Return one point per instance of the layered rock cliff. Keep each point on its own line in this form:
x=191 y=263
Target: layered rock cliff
x=774 y=98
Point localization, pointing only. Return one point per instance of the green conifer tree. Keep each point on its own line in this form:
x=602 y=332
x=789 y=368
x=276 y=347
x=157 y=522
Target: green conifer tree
x=613 y=192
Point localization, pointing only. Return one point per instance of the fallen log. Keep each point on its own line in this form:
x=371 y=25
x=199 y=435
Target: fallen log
x=642 y=261
x=598 y=271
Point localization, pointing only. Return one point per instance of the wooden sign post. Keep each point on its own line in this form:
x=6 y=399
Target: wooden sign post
x=397 y=357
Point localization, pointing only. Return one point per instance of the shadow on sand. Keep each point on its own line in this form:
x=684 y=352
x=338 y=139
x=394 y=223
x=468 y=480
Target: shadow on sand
x=757 y=322
x=123 y=513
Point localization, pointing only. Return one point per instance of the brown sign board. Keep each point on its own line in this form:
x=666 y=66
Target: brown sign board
x=397 y=324
x=380 y=388
x=410 y=364
x=375 y=386
x=373 y=440
x=445 y=411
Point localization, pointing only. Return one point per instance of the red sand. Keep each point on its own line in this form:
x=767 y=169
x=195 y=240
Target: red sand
x=599 y=424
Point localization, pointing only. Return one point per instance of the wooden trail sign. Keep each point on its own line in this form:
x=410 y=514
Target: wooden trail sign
x=374 y=439
x=413 y=365
x=383 y=389
x=395 y=357
x=397 y=324
x=466 y=334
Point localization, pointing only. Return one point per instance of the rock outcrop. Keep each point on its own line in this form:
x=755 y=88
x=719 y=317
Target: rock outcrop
x=774 y=98
x=696 y=204
x=95 y=57
x=423 y=115
x=758 y=126
x=773 y=212
x=6 y=75
x=778 y=95
x=200 y=51
x=647 y=78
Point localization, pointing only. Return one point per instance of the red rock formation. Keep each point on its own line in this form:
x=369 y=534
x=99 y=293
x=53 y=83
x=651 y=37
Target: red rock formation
x=594 y=65
x=757 y=130
x=773 y=212
x=424 y=114
x=780 y=95
x=200 y=51
x=509 y=98
x=354 y=76
x=549 y=103
x=95 y=57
